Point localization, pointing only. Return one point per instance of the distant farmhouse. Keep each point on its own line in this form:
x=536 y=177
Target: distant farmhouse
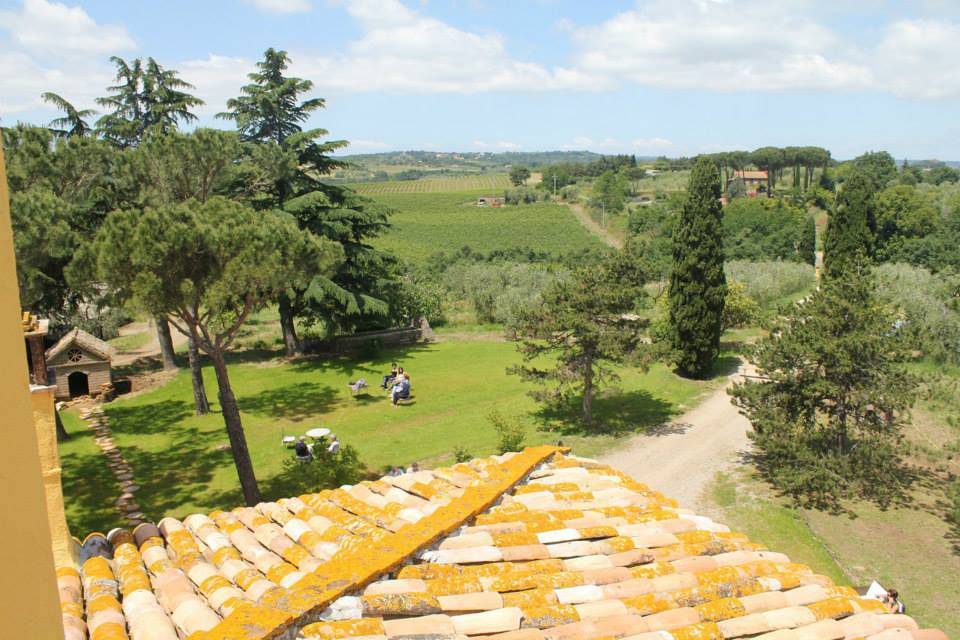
x=752 y=180
x=490 y=201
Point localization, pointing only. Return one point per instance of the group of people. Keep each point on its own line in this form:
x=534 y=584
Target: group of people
x=399 y=471
x=398 y=382
x=304 y=450
x=892 y=600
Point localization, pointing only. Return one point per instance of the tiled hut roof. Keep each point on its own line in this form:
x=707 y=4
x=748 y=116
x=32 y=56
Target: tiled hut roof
x=572 y=550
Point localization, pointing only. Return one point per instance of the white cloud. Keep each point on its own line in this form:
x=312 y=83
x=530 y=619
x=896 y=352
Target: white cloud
x=504 y=145
x=54 y=29
x=748 y=45
x=281 y=6
x=917 y=59
x=651 y=144
x=404 y=51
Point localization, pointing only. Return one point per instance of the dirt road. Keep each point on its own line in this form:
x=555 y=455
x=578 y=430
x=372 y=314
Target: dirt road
x=151 y=348
x=681 y=458
x=584 y=218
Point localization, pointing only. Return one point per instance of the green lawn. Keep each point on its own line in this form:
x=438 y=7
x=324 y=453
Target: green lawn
x=182 y=465
x=427 y=223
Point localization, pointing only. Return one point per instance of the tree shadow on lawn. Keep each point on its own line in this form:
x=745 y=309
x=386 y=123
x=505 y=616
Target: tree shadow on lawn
x=89 y=489
x=293 y=401
x=361 y=365
x=615 y=414
x=180 y=474
x=145 y=419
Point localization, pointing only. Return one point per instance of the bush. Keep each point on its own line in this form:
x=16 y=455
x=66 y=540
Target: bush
x=324 y=471
x=769 y=282
x=763 y=229
x=523 y=195
x=926 y=305
x=739 y=309
x=511 y=434
x=499 y=292
x=460 y=454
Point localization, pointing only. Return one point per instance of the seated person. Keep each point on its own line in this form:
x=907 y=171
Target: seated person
x=301 y=450
x=401 y=390
x=334 y=447
x=390 y=377
x=893 y=602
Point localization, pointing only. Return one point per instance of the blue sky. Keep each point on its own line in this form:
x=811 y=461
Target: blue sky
x=651 y=77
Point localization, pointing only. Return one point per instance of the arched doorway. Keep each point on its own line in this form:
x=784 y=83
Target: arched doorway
x=78 y=384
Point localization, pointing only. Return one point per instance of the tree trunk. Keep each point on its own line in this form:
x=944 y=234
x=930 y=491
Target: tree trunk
x=61 y=430
x=588 y=393
x=238 y=441
x=291 y=343
x=166 y=343
x=200 y=403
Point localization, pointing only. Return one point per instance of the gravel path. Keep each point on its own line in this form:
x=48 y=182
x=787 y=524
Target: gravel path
x=681 y=458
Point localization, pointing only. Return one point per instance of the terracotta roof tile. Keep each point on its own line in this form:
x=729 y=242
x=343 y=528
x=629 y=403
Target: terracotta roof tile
x=530 y=546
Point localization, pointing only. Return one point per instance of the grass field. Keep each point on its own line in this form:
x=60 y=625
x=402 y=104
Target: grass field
x=427 y=223
x=130 y=342
x=490 y=184
x=182 y=466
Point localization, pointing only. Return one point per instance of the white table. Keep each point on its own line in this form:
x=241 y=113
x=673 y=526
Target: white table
x=318 y=432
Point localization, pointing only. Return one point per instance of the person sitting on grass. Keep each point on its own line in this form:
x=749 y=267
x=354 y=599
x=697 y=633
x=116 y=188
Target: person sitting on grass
x=893 y=602
x=401 y=390
x=301 y=450
x=390 y=377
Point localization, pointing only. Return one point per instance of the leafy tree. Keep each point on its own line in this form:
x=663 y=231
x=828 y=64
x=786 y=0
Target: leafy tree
x=583 y=325
x=610 y=191
x=943 y=173
x=519 y=175
x=850 y=230
x=904 y=216
x=147 y=97
x=763 y=229
x=555 y=177
x=209 y=266
x=878 y=166
x=179 y=167
x=73 y=122
x=834 y=392
x=698 y=286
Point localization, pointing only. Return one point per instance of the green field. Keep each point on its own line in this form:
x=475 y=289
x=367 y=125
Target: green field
x=490 y=184
x=427 y=223
x=182 y=466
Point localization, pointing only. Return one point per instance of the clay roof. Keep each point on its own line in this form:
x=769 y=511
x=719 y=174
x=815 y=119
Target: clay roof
x=750 y=175
x=82 y=339
x=535 y=545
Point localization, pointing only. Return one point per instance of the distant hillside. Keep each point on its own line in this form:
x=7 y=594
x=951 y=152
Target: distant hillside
x=473 y=159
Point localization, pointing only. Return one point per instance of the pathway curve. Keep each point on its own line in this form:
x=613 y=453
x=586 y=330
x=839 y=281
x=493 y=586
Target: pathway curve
x=151 y=348
x=681 y=458
x=587 y=221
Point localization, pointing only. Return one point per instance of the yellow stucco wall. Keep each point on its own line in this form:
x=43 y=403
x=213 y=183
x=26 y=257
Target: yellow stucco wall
x=29 y=605
x=64 y=548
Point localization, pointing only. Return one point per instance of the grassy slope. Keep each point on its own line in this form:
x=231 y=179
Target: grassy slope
x=428 y=223
x=181 y=464
x=490 y=184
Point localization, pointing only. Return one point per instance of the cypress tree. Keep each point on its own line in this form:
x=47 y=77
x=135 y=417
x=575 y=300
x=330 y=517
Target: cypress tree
x=850 y=234
x=698 y=286
x=807 y=246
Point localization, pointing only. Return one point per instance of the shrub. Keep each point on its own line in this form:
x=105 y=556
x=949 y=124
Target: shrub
x=768 y=282
x=460 y=454
x=499 y=292
x=324 y=471
x=510 y=433
x=739 y=309
x=523 y=195
x=763 y=229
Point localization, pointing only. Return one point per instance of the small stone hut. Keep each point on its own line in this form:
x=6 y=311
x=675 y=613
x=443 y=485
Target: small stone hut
x=80 y=364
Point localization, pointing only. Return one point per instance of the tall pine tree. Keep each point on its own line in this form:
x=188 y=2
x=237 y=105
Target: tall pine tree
x=698 y=286
x=851 y=230
x=282 y=173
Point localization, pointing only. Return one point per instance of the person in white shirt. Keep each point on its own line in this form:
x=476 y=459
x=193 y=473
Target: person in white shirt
x=334 y=447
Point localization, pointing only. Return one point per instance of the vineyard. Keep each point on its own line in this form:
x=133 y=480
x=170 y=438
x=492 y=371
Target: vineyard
x=428 y=223
x=494 y=183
